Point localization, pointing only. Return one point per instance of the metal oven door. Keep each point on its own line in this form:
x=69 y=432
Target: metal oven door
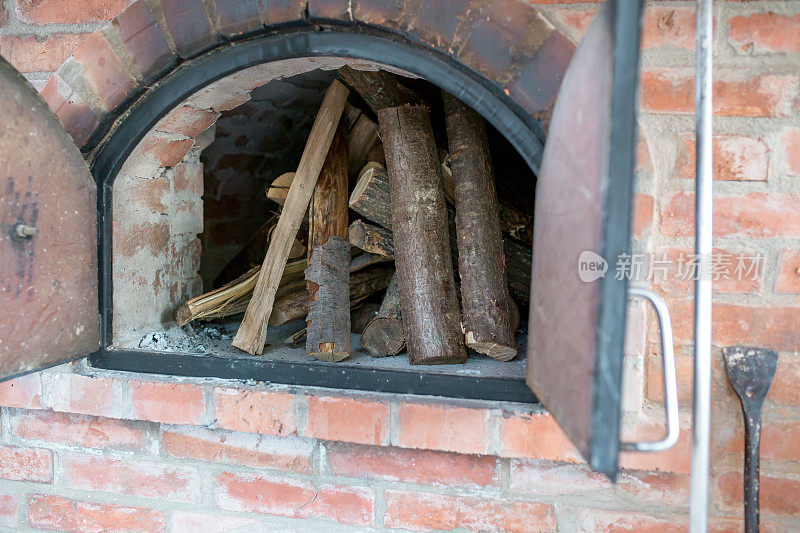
x=582 y=226
x=48 y=236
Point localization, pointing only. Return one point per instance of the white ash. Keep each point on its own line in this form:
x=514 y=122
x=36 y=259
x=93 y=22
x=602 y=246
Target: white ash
x=185 y=339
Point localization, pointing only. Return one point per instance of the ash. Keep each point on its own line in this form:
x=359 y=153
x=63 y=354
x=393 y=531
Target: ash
x=185 y=339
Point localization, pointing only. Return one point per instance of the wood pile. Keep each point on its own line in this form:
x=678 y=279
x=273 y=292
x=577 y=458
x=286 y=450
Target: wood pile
x=387 y=231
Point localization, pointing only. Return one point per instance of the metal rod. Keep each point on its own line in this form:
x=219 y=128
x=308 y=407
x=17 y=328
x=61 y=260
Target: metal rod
x=701 y=415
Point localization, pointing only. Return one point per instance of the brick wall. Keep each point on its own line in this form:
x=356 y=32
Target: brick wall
x=82 y=450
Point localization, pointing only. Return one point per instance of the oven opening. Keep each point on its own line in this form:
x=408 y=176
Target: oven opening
x=195 y=204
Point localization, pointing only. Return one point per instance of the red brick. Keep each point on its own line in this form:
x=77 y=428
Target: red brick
x=189 y=26
x=255 y=411
x=294 y=498
x=73 y=393
x=422 y=512
x=169 y=152
x=728 y=271
x=149 y=193
x=32 y=54
x=535 y=435
x=765 y=32
x=3 y=16
x=438 y=427
x=26 y=464
x=788 y=280
x=236 y=18
x=260 y=451
x=77 y=117
x=183 y=522
x=77 y=430
x=52 y=512
x=736 y=93
x=785 y=388
x=69 y=11
x=144 y=41
x=103 y=70
x=412 y=466
x=642 y=213
x=777 y=495
x=153 y=237
x=134 y=478
x=770 y=327
x=348 y=420
x=188 y=177
x=684 y=369
x=780 y=439
x=791 y=147
x=170 y=403
x=187 y=121
x=677 y=459
x=736 y=158
x=575 y=20
x=24 y=392
x=436 y=23
x=380 y=12
x=591 y=520
x=753 y=215
x=8 y=510
x=669 y=27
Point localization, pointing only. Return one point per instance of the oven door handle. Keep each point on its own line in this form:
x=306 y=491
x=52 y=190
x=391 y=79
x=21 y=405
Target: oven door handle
x=670 y=380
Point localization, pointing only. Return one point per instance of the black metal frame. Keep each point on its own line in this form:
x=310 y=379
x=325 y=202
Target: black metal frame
x=523 y=131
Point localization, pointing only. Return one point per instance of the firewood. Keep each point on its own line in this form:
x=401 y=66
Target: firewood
x=279 y=188
x=431 y=317
x=363 y=284
x=362 y=314
x=379 y=89
x=363 y=136
x=327 y=276
x=372 y=239
x=518 y=270
x=515 y=223
x=252 y=333
x=376 y=154
x=295 y=339
x=447 y=178
x=370 y=196
x=485 y=301
x=383 y=335
x=351 y=114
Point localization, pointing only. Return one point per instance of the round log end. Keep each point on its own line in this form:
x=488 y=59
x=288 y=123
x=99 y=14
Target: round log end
x=383 y=336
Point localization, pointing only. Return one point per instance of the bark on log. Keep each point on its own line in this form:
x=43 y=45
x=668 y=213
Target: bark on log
x=372 y=239
x=383 y=335
x=327 y=276
x=363 y=136
x=485 y=301
x=379 y=89
x=252 y=332
x=431 y=317
x=518 y=269
x=363 y=284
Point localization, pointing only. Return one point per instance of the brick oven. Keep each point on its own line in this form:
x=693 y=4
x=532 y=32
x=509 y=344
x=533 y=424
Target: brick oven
x=185 y=110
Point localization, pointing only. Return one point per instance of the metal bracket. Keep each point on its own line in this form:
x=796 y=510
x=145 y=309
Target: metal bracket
x=670 y=380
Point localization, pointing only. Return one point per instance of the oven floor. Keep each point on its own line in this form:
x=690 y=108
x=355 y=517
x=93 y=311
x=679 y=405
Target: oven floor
x=215 y=339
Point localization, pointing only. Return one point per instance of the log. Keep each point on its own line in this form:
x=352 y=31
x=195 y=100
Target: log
x=518 y=270
x=363 y=284
x=376 y=155
x=252 y=333
x=370 y=197
x=447 y=178
x=383 y=335
x=363 y=136
x=379 y=89
x=327 y=276
x=279 y=188
x=362 y=314
x=431 y=317
x=372 y=239
x=485 y=301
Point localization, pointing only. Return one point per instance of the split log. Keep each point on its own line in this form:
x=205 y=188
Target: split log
x=379 y=89
x=431 y=317
x=351 y=114
x=383 y=335
x=370 y=196
x=252 y=333
x=327 y=276
x=295 y=339
x=485 y=301
x=518 y=269
x=279 y=188
x=363 y=284
x=363 y=136
x=372 y=239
